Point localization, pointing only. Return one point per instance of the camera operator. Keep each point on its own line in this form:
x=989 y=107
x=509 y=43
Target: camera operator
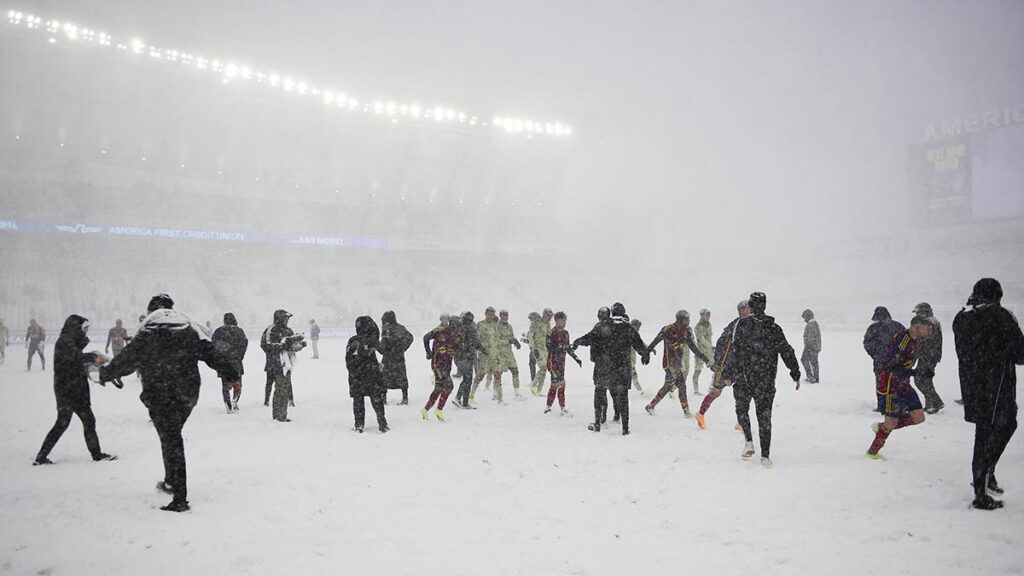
x=280 y=344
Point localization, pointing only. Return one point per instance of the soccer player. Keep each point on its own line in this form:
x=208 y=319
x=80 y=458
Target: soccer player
x=676 y=336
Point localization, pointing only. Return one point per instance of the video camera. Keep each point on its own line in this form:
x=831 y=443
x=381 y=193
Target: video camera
x=294 y=343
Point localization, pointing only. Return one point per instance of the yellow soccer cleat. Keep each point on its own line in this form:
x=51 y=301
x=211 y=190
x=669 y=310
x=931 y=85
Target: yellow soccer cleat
x=700 y=421
x=875 y=456
x=440 y=416
x=425 y=414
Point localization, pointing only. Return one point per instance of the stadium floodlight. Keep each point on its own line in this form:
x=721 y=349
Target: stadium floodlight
x=227 y=72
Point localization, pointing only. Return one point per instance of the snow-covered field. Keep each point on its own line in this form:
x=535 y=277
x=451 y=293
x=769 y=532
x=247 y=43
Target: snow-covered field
x=502 y=490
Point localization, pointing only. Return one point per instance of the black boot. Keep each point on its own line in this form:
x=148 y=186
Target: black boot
x=986 y=502
x=165 y=487
x=42 y=461
x=176 y=506
x=103 y=456
x=993 y=486
x=595 y=427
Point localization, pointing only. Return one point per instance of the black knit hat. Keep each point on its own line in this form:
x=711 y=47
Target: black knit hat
x=986 y=291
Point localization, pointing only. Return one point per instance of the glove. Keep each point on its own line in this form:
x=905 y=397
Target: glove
x=925 y=373
x=578 y=361
x=645 y=359
x=795 y=375
x=653 y=351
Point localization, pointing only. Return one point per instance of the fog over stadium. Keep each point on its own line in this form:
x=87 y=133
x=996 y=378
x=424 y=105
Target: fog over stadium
x=341 y=159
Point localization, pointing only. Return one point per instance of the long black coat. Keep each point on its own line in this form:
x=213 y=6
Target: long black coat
x=394 y=341
x=364 y=375
x=166 y=351
x=231 y=341
x=988 y=345
x=754 y=358
x=71 y=365
x=610 y=344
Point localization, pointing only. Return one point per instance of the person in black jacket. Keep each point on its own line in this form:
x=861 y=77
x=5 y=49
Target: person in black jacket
x=166 y=351
x=877 y=338
x=280 y=344
x=364 y=376
x=989 y=343
x=394 y=341
x=753 y=363
x=615 y=339
x=465 y=356
x=71 y=387
x=593 y=339
x=230 y=340
x=812 y=346
x=929 y=354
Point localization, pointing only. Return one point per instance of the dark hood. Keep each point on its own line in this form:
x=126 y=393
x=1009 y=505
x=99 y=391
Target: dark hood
x=229 y=319
x=73 y=330
x=280 y=316
x=618 y=309
x=389 y=318
x=986 y=291
x=881 y=313
x=366 y=329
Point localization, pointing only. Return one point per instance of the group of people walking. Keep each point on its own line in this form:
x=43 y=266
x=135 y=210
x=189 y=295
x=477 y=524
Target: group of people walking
x=166 y=350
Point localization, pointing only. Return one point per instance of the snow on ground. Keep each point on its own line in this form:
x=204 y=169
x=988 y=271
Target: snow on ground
x=502 y=490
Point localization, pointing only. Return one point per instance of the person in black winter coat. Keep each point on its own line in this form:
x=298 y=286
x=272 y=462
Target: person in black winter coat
x=469 y=346
x=753 y=364
x=230 y=340
x=877 y=338
x=929 y=354
x=593 y=340
x=394 y=341
x=279 y=375
x=166 y=352
x=364 y=375
x=989 y=344
x=71 y=387
x=614 y=339
x=812 y=346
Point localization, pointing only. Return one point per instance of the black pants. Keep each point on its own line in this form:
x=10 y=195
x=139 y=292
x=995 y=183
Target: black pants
x=270 y=388
x=465 y=367
x=810 y=361
x=359 y=409
x=763 y=397
x=64 y=413
x=34 y=349
x=169 y=419
x=927 y=385
x=600 y=404
x=620 y=401
x=989 y=442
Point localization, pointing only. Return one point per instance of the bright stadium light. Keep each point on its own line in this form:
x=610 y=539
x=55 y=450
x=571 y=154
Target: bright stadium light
x=228 y=72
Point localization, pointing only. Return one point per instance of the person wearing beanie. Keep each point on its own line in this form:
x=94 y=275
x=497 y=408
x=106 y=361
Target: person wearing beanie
x=752 y=365
x=613 y=339
x=594 y=340
x=929 y=354
x=467 y=346
x=897 y=401
x=166 y=352
x=231 y=341
x=704 y=335
x=989 y=346
x=532 y=317
x=395 y=339
x=677 y=336
x=812 y=346
x=71 y=387
x=504 y=340
x=558 y=348
x=722 y=348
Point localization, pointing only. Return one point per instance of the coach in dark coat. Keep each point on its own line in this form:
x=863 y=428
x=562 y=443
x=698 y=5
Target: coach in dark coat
x=395 y=339
x=71 y=388
x=989 y=344
x=364 y=375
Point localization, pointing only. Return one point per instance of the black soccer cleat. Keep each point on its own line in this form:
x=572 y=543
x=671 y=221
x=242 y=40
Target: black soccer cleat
x=103 y=456
x=42 y=461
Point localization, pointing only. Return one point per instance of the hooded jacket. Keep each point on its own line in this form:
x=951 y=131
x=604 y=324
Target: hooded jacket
x=364 y=376
x=929 y=350
x=272 y=342
x=166 y=352
x=71 y=365
x=757 y=344
x=879 y=335
x=230 y=341
x=395 y=339
x=614 y=339
x=988 y=345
